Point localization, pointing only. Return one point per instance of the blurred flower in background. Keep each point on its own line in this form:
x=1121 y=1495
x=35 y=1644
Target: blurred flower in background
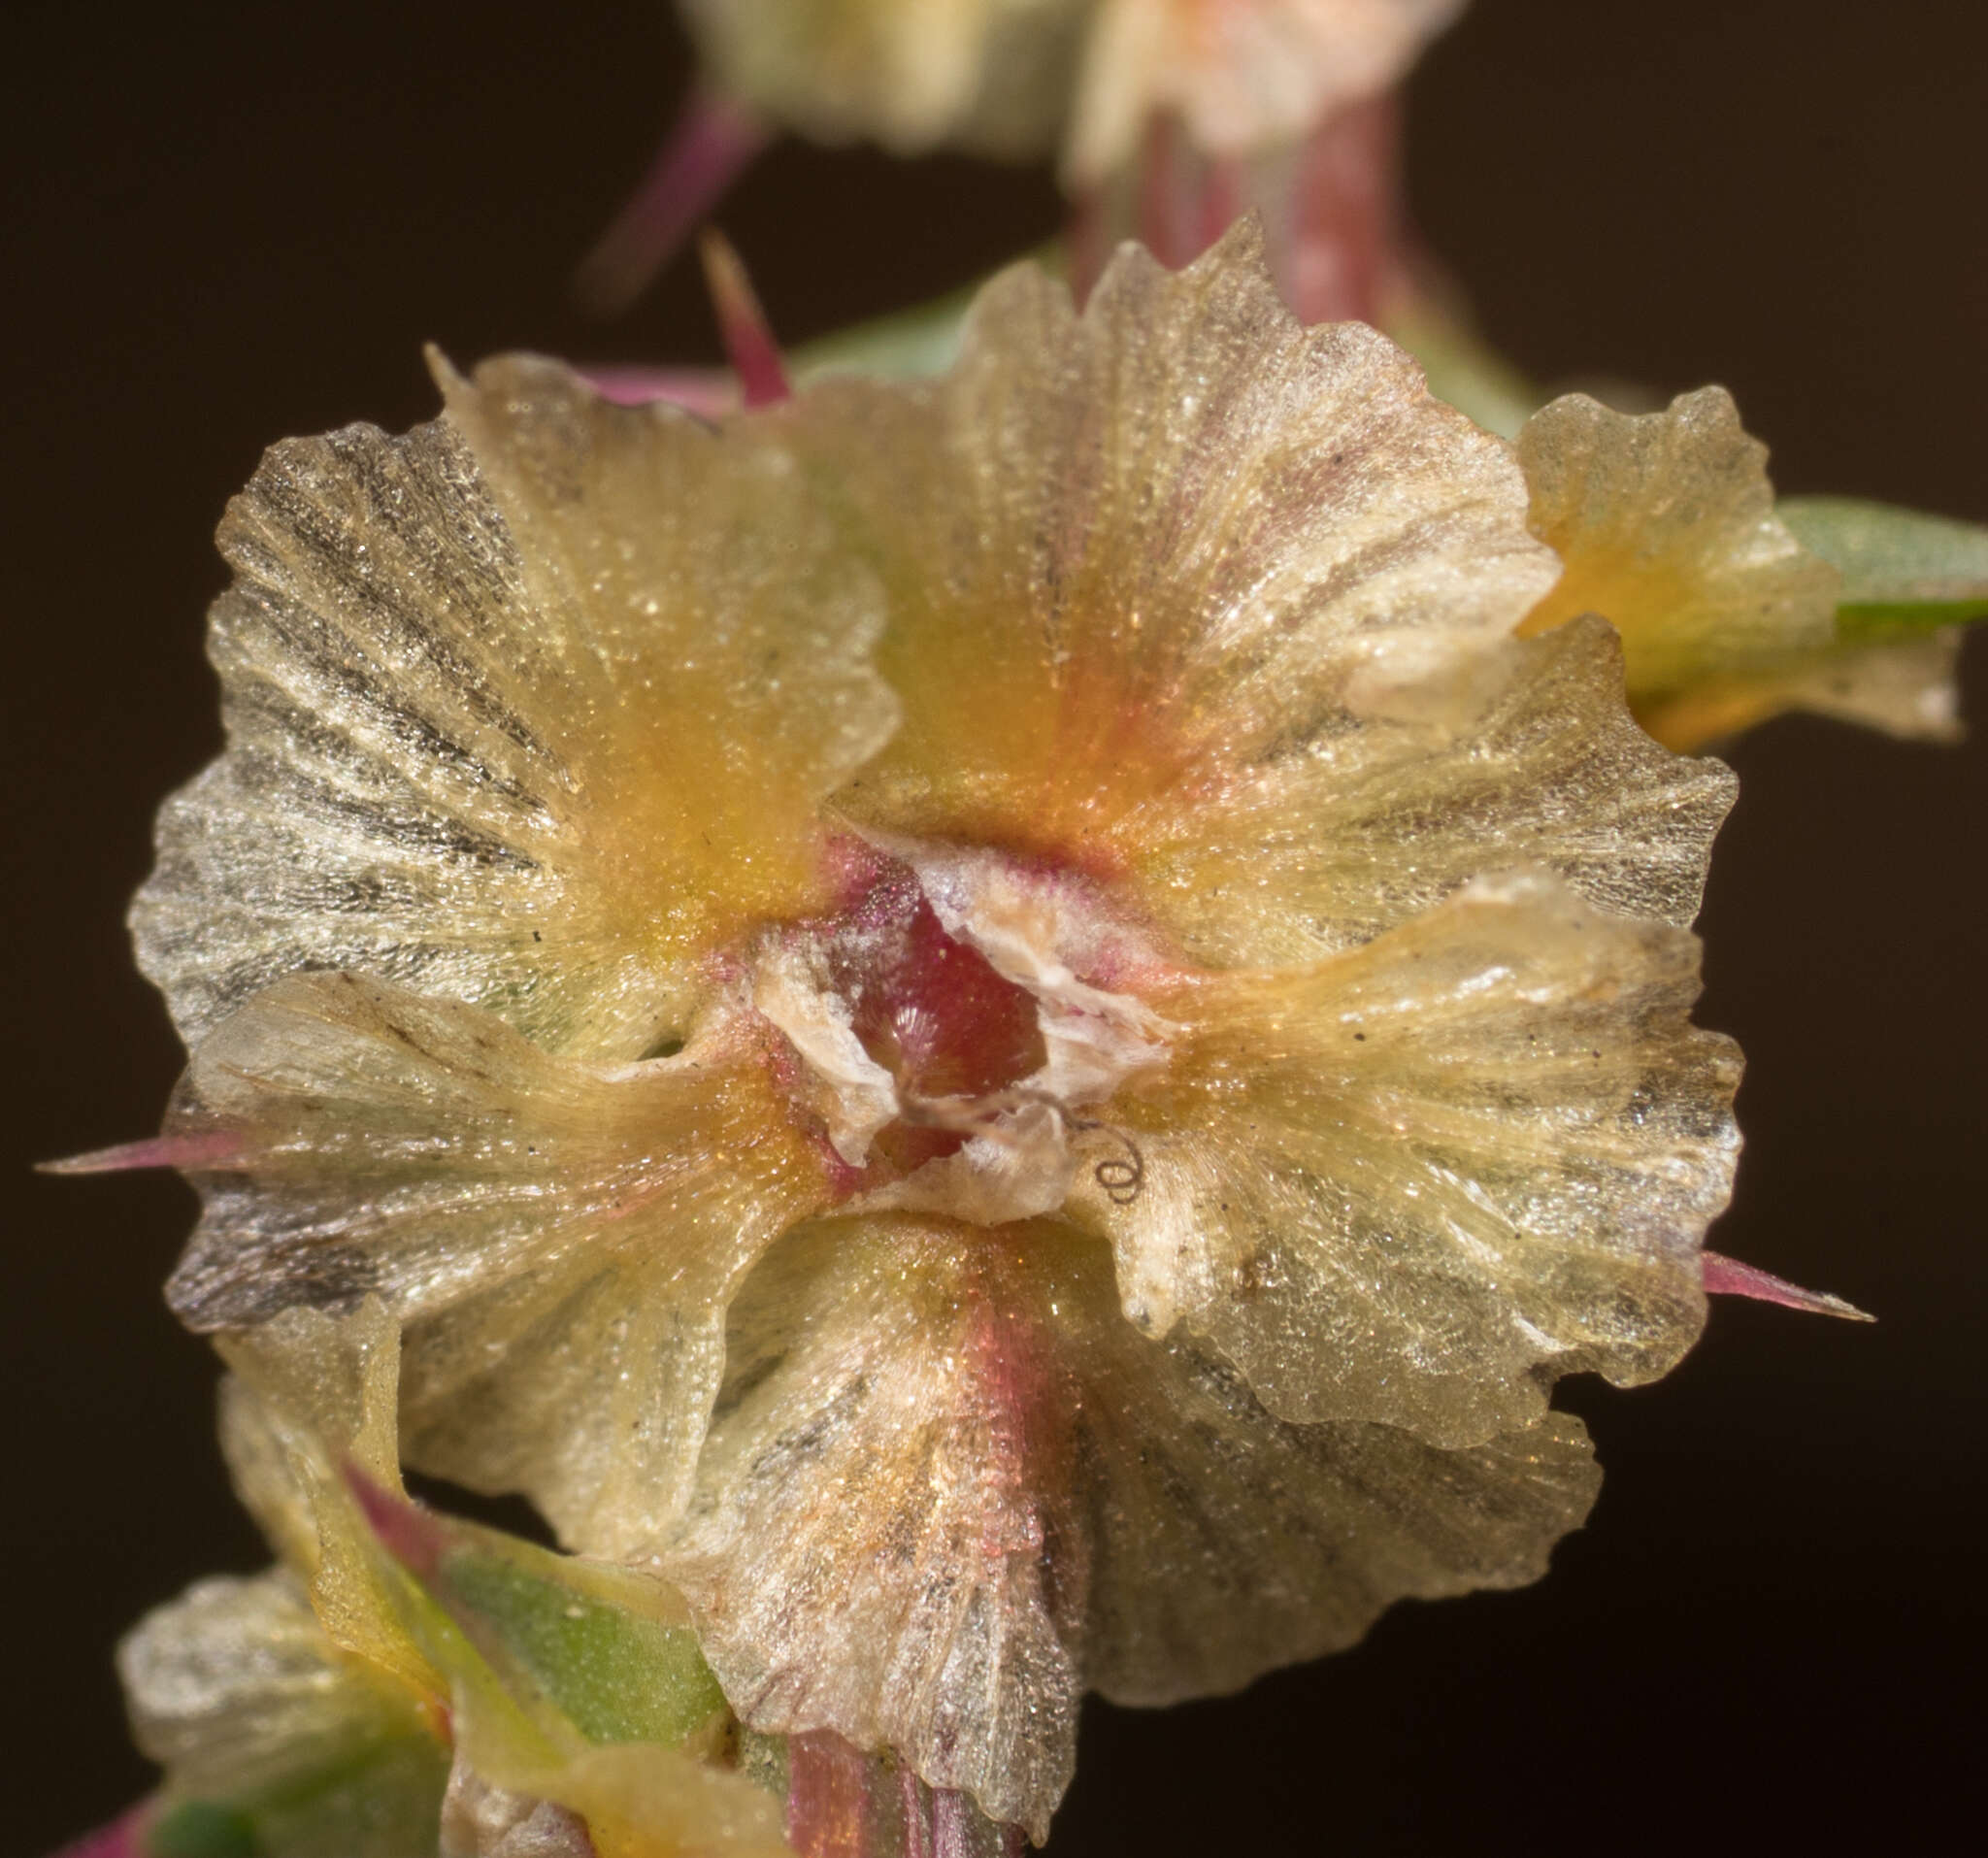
x=1168 y=119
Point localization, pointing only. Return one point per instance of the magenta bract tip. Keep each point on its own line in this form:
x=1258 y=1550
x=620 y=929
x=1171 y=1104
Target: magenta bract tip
x=122 y=1837
x=402 y=1528
x=211 y=1149
x=748 y=340
x=1729 y=1277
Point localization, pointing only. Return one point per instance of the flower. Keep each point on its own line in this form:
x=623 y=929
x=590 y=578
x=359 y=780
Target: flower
x=1174 y=119
x=298 y=1704
x=1015 y=76
x=1242 y=77
x=997 y=1022
x=1668 y=525
x=340 y=1703
x=987 y=75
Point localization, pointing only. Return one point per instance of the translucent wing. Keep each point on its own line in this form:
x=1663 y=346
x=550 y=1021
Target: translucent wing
x=1244 y=77
x=525 y=708
x=1527 y=756
x=310 y=1395
x=1133 y=548
x=1905 y=688
x=1667 y=524
x=1418 y=1181
x=948 y=1488
x=557 y=1238
x=990 y=75
x=1190 y=598
x=235 y=1690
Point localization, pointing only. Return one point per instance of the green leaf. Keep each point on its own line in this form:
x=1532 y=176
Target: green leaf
x=384 y=1800
x=1902 y=572
x=202 y=1829
x=905 y=346
x=577 y=1645
x=615 y=1674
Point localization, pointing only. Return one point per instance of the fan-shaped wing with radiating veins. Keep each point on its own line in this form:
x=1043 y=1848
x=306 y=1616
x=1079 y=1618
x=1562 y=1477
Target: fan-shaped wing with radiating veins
x=947 y=1489
x=1526 y=756
x=559 y=1239
x=1220 y=609
x=1135 y=552
x=525 y=708
x=1418 y=1181
x=1666 y=522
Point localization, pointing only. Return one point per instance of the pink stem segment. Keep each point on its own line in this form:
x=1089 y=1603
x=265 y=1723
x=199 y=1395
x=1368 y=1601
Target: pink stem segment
x=845 y=1804
x=1729 y=1277
x=1341 y=235
x=1329 y=203
x=713 y=142
x=828 y=1797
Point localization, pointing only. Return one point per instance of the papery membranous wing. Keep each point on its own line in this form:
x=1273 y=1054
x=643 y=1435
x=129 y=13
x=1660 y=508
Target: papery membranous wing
x=948 y=1488
x=522 y=707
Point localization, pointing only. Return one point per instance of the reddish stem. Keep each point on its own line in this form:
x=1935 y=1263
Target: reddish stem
x=828 y=1798
x=1329 y=205
x=844 y=1803
x=710 y=144
x=1341 y=239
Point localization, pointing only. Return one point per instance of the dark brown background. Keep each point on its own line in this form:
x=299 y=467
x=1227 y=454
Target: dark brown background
x=234 y=227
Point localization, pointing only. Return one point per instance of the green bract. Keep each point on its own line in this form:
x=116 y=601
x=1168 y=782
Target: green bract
x=1902 y=572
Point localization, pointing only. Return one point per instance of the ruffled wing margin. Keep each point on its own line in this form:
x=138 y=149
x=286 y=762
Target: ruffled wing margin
x=525 y=708
x=1220 y=609
x=557 y=1239
x=948 y=1489
x=1418 y=1181
x=1668 y=526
